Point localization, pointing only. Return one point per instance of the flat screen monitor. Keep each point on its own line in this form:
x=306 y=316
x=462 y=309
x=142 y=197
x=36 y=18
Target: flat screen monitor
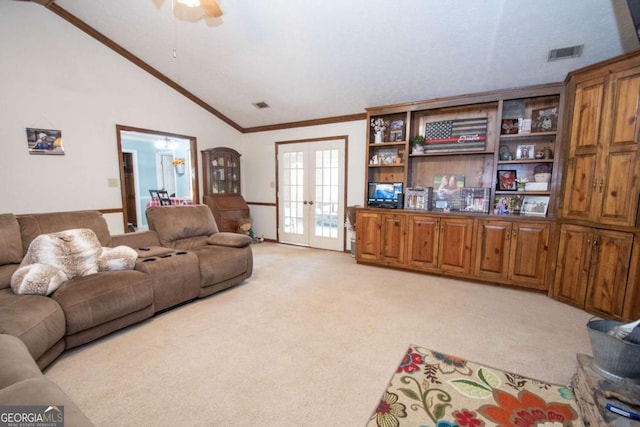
x=384 y=193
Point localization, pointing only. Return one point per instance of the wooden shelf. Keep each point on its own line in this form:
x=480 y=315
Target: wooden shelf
x=523 y=161
x=387 y=143
x=522 y=193
x=526 y=136
x=452 y=153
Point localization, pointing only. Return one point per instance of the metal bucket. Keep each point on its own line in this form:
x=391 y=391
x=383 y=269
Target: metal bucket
x=614 y=357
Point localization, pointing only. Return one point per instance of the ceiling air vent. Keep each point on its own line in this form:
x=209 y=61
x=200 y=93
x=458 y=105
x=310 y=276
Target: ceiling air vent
x=260 y=105
x=565 y=52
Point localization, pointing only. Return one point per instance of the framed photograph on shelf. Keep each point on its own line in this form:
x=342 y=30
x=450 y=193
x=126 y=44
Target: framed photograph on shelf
x=535 y=205
x=396 y=130
x=509 y=126
x=447 y=192
x=544 y=120
x=527 y=151
x=388 y=156
x=504 y=205
x=507 y=180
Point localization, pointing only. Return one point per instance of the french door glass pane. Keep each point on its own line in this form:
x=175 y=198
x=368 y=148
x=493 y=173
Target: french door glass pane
x=293 y=193
x=326 y=193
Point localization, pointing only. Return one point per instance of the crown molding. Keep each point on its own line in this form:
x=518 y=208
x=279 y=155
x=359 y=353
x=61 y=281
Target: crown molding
x=89 y=30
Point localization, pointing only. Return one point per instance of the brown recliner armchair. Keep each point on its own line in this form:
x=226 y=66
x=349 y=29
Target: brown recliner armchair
x=225 y=259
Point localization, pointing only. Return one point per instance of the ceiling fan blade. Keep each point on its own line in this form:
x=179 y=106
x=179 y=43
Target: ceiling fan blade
x=211 y=8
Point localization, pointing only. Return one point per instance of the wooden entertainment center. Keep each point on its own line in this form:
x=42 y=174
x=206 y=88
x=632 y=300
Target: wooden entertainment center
x=572 y=230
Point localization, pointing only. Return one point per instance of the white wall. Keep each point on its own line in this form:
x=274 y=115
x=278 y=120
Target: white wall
x=54 y=76
x=259 y=167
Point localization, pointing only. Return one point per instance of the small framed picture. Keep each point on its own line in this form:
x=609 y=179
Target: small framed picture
x=507 y=180
x=526 y=151
x=396 y=131
x=544 y=120
x=44 y=141
x=535 y=205
x=509 y=126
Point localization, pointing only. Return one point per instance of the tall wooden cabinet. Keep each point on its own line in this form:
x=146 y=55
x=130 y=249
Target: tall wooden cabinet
x=602 y=169
x=221 y=167
x=598 y=247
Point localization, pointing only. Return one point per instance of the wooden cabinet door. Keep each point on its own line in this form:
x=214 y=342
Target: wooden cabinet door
x=393 y=231
x=456 y=238
x=528 y=255
x=574 y=259
x=422 y=241
x=493 y=243
x=367 y=236
x=611 y=254
x=581 y=170
x=618 y=181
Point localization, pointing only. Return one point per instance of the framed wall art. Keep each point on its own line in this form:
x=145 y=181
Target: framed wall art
x=44 y=141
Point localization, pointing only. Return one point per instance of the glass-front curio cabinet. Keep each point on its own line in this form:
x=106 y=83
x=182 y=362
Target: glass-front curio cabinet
x=221 y=171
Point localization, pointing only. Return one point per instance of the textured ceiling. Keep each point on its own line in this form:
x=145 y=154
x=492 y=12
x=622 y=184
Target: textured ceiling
x=311 y=59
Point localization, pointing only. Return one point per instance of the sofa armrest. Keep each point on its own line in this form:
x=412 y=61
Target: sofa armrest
x=233 y=240
x=136 y=240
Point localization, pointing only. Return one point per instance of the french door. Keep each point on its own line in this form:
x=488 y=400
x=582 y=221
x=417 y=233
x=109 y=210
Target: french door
x=311 y=188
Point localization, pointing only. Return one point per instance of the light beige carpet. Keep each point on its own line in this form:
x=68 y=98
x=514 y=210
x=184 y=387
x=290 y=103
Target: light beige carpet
x=310 y=340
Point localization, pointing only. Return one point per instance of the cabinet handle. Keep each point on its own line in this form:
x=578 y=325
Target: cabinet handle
x=601 y=183
x=595 y=183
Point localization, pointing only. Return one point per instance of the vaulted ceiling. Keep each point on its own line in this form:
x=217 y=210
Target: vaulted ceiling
x=312 y=59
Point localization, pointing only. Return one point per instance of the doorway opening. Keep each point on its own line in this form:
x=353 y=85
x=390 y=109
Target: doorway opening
x=152 y=160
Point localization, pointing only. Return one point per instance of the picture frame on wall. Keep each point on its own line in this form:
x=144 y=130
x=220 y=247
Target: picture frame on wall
x=507 y=180
x=535 y=205
x=44 y=141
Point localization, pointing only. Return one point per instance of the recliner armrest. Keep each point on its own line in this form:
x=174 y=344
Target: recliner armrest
x=233 y=240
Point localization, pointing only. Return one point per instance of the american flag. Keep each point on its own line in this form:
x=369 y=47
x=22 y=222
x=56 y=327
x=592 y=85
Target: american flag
x=454 y=131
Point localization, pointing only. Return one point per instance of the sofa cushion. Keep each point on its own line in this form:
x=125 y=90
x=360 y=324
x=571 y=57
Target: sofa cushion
x=16 y=364
x=37 y=320
x=6 y=271
x=33 y=225
x=219 y=263
x=91 y=300
x=182 y=227
x=233 y=240
x=11 y=248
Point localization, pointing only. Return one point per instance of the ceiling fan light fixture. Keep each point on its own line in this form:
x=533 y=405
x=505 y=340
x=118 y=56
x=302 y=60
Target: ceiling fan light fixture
x=189 y=3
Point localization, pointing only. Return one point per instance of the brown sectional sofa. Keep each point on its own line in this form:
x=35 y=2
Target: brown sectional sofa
x=186 y=258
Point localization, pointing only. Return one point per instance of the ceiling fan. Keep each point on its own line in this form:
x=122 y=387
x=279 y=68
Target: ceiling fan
x=210 y=7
